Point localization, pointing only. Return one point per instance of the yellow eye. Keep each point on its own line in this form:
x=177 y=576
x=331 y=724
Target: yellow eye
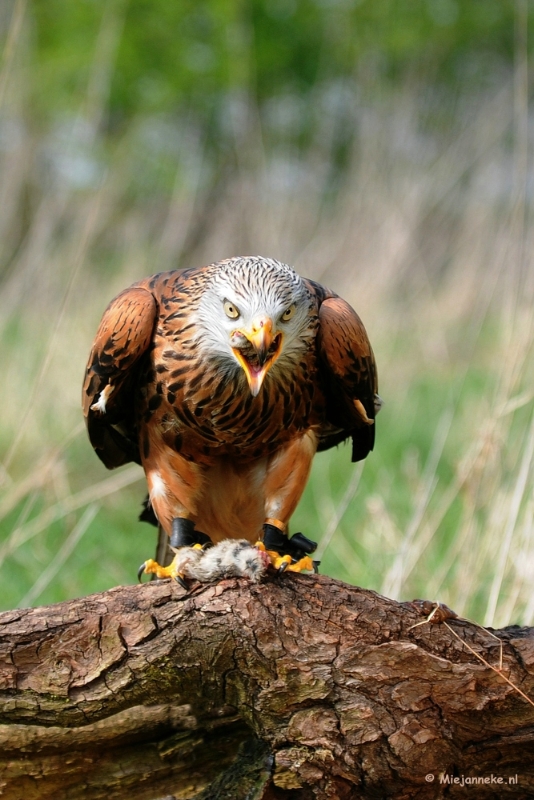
x=230 y=310
x=288 y=313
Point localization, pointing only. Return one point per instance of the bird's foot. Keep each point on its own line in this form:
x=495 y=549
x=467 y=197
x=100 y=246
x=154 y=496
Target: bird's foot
x=178 y=569
x=291 y=555
x=287 y=562
x=188 y=544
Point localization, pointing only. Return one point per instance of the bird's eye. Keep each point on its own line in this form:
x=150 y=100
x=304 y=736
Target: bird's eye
x=230 y=310
x=288 y=313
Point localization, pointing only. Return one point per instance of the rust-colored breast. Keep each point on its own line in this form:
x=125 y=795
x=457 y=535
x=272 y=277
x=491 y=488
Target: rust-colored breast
x=202 y=410
x=149 y=383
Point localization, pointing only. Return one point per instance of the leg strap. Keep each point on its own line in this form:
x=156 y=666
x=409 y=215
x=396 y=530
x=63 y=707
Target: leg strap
x=184 y=534
x=297 y=547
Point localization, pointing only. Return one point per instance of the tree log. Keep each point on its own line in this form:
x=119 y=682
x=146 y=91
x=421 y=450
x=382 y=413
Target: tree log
x=300 y=687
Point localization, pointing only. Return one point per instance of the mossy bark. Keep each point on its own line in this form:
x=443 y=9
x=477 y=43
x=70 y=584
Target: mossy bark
x=300 y=687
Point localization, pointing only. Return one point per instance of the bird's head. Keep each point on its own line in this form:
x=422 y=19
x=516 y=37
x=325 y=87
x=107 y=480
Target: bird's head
x=255 y=315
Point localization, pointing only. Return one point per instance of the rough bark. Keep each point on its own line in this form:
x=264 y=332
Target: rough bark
x=301 y=687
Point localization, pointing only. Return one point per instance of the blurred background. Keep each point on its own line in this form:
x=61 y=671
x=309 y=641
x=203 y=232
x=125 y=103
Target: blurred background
x=382 y=148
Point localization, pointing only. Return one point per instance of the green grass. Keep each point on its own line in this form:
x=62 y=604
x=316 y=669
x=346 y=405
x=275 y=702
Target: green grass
x=401 y=515
x=436 y=264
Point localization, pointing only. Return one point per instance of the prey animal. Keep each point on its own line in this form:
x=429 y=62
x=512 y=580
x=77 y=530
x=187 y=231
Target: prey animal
x=223 y=382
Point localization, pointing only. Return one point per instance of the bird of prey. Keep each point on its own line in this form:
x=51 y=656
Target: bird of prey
x=223 y=382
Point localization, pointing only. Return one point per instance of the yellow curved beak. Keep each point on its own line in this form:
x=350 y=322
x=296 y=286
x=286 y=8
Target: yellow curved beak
x=258 y=360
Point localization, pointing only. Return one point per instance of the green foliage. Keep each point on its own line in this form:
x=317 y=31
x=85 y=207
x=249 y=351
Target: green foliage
x=188 y=57
x=115 y=543
x=377 y=146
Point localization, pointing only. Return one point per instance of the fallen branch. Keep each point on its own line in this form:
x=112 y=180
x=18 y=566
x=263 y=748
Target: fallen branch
x=320 y=689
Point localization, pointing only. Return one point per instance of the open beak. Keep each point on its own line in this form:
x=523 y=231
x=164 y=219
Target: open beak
x=257 y=351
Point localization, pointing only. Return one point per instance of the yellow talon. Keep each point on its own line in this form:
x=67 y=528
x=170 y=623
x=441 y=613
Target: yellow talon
x=276 y=559
x=152 y=567
x=303 y=563
x=279 y=561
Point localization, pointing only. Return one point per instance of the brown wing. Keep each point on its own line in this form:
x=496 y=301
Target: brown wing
x=109 y=390
x=348 y=373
